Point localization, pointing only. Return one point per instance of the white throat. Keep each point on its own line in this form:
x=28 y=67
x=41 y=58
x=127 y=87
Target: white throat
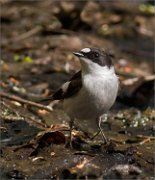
x=89 y=67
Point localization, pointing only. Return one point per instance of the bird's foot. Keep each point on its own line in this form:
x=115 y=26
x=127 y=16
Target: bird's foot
x=69 y=143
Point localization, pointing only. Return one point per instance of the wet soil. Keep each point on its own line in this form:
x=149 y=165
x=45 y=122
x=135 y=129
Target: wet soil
x=37 y=41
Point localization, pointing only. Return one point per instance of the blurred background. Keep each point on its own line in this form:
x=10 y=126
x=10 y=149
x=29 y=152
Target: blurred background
x=37 y=41
x=38 y=38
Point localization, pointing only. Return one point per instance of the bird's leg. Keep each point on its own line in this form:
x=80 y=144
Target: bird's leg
x=70 y=132
x=100 y=130
x=96 y=134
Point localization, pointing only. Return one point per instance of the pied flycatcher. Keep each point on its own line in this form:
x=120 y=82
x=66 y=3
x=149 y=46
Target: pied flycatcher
x=90 y=92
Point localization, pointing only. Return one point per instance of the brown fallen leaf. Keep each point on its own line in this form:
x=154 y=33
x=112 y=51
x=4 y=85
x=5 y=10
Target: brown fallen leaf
x=42 y=139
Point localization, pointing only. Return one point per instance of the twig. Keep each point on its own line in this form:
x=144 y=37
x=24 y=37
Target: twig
x=20 y=116
x=27 y=34
x=145 y=141
x=43 y=126
x=23 y=101
x=145 y=137
x=8 y=107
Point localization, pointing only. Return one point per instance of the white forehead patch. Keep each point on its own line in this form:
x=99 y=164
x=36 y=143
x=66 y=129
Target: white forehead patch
x=86 y=50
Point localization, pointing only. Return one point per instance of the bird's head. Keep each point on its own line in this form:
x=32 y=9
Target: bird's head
x=94 y=60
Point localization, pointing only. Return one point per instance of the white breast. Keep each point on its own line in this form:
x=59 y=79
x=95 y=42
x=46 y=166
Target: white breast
x=95 y=97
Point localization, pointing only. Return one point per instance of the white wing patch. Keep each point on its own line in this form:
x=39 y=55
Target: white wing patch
x=86 y=50
x=65 y=86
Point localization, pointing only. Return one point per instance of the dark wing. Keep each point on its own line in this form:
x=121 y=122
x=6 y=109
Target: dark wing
x=76 y=76
x=68 y=89
x=72 y=87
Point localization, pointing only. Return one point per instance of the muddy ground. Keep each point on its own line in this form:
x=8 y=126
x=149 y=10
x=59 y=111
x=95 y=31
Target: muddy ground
x=37 y=41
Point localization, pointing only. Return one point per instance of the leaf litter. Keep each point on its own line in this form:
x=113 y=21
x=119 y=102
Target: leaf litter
x=37 y=58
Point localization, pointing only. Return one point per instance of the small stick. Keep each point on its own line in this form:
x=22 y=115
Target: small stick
x=43 y=126
x=143 y=136
x=21 y=117
x=27 y=34
x=145 y=141
x=23 y=101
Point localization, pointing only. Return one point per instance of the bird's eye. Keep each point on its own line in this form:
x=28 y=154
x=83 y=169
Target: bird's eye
x=96 y=55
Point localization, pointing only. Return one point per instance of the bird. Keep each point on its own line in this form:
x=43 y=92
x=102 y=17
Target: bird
x=91 y=91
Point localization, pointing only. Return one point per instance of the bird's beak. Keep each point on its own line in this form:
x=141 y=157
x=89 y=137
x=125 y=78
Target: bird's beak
x=78 y=54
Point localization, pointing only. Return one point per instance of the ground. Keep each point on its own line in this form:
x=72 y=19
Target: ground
x=37 y=41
